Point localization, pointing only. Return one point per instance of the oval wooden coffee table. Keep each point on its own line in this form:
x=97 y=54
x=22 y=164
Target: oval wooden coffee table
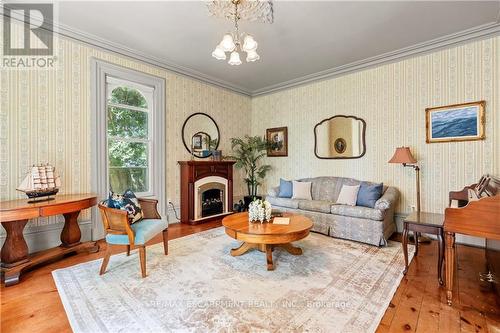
x=266 y=236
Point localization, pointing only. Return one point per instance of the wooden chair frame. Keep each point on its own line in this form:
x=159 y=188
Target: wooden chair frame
x=115 y=222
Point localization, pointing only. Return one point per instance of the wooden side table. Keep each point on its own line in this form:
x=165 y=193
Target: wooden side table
x=429 y=223
x=14 y=215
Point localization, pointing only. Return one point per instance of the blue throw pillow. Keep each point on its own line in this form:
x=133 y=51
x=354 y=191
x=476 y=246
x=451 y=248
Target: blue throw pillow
x=369 y=194
x=126 y=201
x=286 y=189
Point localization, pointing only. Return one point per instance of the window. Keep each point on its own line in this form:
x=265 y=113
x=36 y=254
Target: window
x=129 y=112
x=128 y=134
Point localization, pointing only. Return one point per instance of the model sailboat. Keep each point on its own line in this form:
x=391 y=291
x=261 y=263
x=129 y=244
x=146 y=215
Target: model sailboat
x=41 y=181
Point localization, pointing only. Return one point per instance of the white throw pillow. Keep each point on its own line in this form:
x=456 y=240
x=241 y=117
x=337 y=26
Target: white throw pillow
x=348 y=195
x=302 y=190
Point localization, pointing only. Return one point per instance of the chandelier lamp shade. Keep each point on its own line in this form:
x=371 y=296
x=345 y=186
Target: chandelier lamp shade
x=236 y=42
x=234 y=60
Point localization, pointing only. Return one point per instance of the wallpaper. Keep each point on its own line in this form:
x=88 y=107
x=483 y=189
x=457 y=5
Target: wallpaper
x=392 y=99
x=45 y=116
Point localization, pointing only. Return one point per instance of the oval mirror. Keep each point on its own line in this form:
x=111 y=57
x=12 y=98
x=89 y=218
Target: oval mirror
x=340 y=137
x=198 y=131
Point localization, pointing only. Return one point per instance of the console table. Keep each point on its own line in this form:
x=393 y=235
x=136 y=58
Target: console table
x=14 y=216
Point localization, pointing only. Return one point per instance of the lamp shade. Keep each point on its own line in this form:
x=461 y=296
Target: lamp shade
x=219 y=53
x=402 y=155
x=234 y=60
x=249 y=44
x=227 y=43
x=252 y=56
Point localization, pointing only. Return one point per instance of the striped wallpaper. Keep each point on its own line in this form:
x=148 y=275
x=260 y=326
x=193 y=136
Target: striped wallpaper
x=392 y=99
x=45 y=116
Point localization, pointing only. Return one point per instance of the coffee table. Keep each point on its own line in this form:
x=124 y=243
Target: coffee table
x=266 y=236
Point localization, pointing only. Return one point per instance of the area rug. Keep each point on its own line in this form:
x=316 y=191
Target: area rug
x=335 y=286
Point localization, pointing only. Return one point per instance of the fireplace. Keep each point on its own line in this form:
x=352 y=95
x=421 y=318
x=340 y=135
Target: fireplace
x=206 y=190
x=211 y=199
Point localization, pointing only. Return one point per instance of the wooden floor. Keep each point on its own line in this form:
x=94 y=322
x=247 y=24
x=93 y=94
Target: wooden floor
x=418 y=306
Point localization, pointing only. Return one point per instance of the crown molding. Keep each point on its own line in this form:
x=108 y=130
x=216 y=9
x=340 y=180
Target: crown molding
x=107 y=45
x=475 y=33
x=146 y=58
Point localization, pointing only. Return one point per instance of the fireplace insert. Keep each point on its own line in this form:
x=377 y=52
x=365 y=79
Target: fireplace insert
x=212 y=202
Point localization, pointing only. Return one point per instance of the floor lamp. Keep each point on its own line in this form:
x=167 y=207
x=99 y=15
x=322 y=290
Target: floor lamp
x=403 y=155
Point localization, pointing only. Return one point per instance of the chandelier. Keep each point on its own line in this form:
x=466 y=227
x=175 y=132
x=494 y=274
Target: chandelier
x=236 y=42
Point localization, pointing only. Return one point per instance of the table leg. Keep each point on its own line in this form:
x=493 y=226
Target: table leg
x=71 y=234
x=415 y=236
x=269 y=256
x=296 y=251
x=449 y=264
x=440 y=255
x=242 y=249
x=14 y=249
x=405 y=246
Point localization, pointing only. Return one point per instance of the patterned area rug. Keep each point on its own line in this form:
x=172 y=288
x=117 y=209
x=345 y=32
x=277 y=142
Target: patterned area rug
x=335 y=286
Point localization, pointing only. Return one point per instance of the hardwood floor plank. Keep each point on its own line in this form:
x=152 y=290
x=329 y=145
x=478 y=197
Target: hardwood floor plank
x=394 y=304
x=428 y=319
x=449 y=318
x=406 y=318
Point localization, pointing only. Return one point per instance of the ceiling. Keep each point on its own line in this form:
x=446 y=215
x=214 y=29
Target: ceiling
x=306 y=37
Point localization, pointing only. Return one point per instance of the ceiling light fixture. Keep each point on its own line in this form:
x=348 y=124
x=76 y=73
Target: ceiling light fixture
x=236 y=42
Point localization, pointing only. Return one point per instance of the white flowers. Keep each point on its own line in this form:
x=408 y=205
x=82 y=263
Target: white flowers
x=259 y=210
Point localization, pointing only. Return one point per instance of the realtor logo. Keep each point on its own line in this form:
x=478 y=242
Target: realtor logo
x=32 y=37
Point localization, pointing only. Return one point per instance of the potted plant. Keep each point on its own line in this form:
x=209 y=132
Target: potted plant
x=212 y=148
x=248 y=153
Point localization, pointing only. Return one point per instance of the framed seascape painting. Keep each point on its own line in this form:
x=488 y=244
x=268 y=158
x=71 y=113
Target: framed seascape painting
x=278 y=137
x=459 y=122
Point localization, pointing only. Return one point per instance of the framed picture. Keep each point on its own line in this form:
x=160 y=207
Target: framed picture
x=459 y=122
x=278 y=137
x=197 y=141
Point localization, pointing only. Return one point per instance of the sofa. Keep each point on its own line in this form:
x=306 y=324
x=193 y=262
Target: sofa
x=363 y=224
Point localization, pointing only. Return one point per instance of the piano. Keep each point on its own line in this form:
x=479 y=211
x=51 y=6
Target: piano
x=478 y=214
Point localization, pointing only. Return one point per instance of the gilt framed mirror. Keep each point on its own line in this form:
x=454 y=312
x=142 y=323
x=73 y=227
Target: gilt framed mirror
x=340 y=137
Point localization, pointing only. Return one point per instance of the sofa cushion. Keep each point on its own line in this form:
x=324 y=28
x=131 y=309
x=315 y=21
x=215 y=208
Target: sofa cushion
x=283 y=202
x=321 y=206
x=302 y=190
x=369 y=194
x=286 y=188
x=348 y=195
x=358 y=211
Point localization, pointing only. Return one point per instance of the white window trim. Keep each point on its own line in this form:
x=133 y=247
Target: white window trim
x=100 y=71
x=148 y=93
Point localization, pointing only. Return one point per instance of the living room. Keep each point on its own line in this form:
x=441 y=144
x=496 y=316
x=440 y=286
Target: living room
x=250 y=166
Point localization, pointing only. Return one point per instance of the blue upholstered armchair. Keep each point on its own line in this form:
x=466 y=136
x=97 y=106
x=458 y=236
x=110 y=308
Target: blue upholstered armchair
x=120 y=232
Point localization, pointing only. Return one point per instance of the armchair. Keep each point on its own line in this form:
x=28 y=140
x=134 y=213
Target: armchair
x=120 y=232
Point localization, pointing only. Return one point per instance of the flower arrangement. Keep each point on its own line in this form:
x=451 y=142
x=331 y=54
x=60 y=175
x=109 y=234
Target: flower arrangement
x=259 y=210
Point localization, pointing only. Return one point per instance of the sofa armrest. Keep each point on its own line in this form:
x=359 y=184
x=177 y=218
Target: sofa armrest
x=274 y=191
x=388 y=199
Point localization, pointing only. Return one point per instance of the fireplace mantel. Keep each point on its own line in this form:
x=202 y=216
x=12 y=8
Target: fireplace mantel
x=192 y=173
